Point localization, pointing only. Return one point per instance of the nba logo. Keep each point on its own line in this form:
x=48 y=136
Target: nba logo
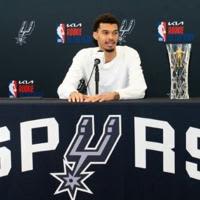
x=162 y=31
x=12 y=89
x=61 y=33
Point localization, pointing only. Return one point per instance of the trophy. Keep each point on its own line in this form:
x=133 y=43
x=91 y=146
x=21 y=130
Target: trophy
x=179 y=56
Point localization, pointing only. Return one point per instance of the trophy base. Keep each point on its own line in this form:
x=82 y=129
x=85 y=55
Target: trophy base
x=178 y=96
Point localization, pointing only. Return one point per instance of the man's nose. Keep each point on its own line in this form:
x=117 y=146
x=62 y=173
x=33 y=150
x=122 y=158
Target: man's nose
x=110 y=36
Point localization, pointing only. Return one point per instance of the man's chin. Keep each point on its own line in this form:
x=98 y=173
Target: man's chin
x=110 y=50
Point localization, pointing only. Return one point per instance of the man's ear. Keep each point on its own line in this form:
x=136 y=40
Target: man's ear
x=95 y=35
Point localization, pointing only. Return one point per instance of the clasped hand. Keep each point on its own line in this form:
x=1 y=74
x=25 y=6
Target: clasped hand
x=107 y=96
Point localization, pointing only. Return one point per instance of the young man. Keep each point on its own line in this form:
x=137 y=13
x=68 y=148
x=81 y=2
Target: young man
x=120 y=73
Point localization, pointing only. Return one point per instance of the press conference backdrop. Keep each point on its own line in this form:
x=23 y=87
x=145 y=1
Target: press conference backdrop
x=33 y=47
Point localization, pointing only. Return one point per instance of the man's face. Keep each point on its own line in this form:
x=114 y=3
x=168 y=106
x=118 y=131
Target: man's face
x=107 y=36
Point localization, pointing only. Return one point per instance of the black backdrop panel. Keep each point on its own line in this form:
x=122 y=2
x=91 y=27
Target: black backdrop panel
x=45 y=61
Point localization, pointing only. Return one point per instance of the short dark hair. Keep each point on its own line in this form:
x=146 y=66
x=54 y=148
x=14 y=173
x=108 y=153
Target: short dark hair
x=104 y=18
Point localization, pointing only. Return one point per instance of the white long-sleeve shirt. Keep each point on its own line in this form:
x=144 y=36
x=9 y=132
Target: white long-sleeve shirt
x=123 y=74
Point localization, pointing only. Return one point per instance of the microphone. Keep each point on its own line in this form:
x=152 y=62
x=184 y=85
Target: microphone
x=99 y=58
x=97 y=61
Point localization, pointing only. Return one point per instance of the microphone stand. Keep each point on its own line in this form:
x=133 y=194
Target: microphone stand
x=96 y=62
x=96 y=78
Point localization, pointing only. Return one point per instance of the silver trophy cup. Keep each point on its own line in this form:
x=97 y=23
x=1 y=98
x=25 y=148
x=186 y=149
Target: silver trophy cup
x=179 y=56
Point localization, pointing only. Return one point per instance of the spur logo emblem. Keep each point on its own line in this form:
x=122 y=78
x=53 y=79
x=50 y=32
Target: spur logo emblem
x=79 y=155
x=25 y=30
x=125 y=28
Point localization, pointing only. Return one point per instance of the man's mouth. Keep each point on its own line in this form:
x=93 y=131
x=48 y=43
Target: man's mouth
x=110 y=44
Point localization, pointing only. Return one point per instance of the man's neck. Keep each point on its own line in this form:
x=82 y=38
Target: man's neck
x=109 y=56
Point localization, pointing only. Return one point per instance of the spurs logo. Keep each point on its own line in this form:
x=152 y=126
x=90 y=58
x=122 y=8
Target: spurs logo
x=125 y=29
x=79 y=155
x=25 y=30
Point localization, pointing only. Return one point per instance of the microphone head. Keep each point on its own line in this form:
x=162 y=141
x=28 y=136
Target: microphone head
x=99 y=57
x=97 y=61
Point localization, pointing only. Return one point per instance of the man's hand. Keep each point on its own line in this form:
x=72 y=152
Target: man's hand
x=77 y=97
x=108 y=96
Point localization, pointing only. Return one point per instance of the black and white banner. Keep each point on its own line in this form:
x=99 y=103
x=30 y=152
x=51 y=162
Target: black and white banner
x=124 y=150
